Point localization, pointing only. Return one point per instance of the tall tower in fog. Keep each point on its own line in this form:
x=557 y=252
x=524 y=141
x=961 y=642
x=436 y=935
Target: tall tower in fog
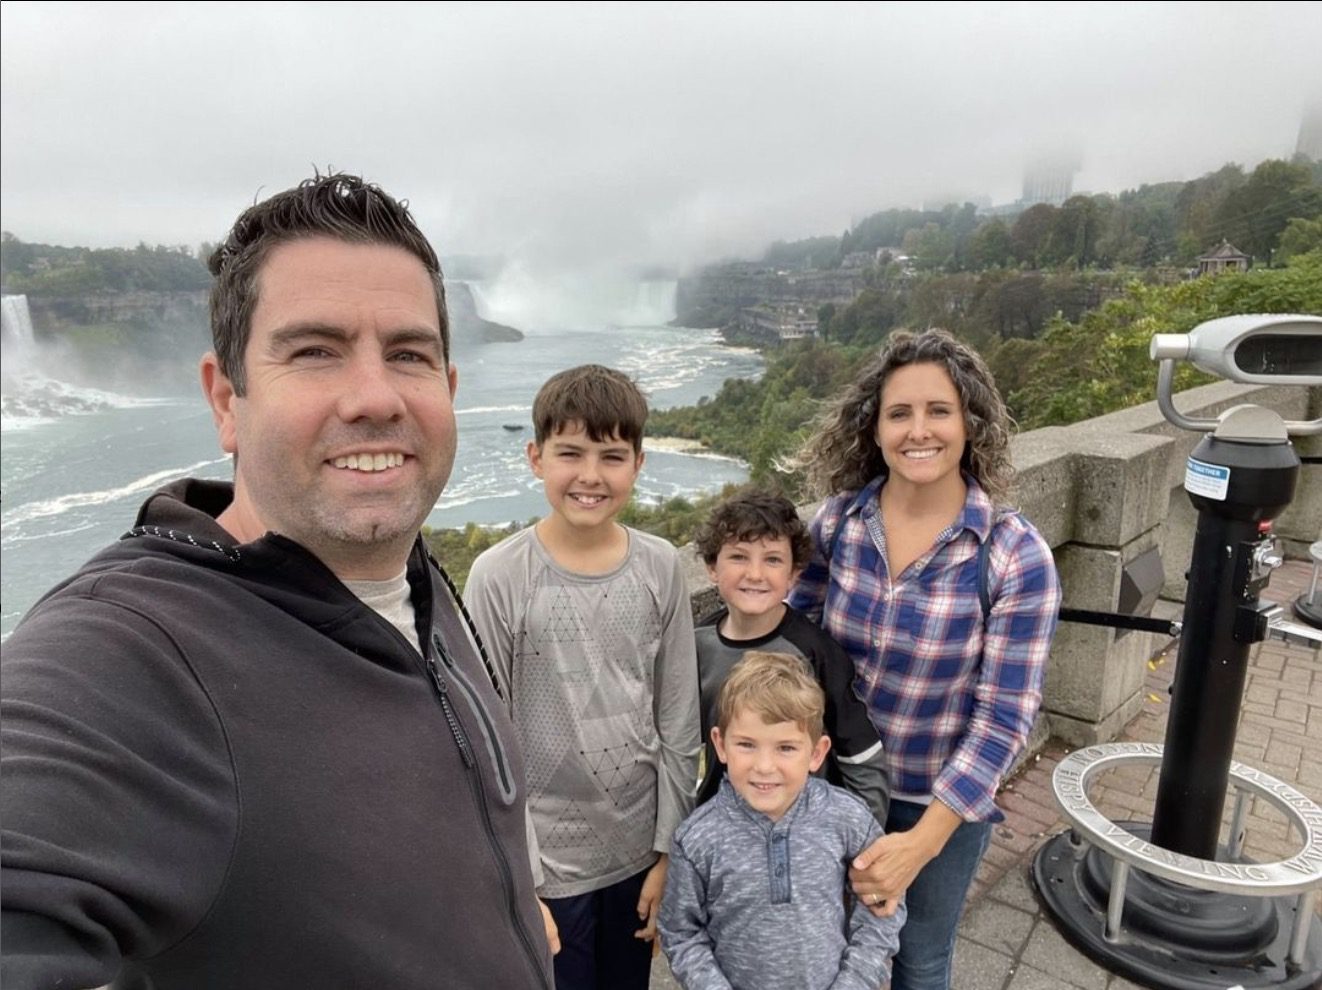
x=1049 y=180
x=1310 y=133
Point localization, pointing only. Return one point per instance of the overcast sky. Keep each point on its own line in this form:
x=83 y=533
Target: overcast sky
x=580 y=136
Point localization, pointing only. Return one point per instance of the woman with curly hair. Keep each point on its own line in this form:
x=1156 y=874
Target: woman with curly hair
x=946 y=600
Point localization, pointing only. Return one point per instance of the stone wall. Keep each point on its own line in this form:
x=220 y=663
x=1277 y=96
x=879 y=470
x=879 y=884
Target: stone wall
x=1102 y=492
x=54 y=316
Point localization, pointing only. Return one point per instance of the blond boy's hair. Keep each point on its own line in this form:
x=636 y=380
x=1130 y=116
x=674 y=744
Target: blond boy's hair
x=606 y=401
x=778 y=687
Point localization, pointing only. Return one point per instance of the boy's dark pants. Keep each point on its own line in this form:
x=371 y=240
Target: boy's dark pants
x=597 y=947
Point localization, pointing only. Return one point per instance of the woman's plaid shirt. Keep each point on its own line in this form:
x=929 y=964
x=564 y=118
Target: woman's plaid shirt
x=952 y=698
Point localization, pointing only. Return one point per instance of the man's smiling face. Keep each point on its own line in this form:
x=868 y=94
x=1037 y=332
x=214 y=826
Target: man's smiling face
x=345 y=436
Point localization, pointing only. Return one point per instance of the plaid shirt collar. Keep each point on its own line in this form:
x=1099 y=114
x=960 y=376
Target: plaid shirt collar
x=976 y=516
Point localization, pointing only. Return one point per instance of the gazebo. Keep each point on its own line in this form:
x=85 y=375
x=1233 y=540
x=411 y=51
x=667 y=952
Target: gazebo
x=1225 y=258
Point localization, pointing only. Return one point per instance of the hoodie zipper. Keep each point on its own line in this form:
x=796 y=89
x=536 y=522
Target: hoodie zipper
x=480 y=799
x=488 y=730
x=451 y=719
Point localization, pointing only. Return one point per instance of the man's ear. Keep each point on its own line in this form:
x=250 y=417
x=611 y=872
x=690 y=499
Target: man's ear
x=534 y=453
x=819 y=752
x=220 y=394
x=718 y=742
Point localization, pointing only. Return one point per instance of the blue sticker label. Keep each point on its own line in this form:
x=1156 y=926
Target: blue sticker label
x=1209 y=480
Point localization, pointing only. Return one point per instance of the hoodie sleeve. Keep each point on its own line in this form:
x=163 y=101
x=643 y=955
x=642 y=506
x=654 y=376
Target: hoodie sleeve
x=120 y=808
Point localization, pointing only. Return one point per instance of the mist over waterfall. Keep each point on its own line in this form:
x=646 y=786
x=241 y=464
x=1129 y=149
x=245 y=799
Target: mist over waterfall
x=654 y=305
x=29 y=396
x=536 y=301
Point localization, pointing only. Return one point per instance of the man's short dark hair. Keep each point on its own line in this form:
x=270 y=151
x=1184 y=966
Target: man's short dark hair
x=337 y=205
x=606 y=401
x=752 y=514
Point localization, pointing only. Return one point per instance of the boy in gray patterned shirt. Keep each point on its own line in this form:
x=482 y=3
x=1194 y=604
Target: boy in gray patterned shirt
x=756 y=890
x=589 y=625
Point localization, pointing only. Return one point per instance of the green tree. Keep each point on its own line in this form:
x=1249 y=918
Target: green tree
x=1253 y=216
x=1031 y=231
x=1077 y=231
x=1100 y=363
x=931 y=246
x=990 y=245
x=1299 y=237
x=1196 y=207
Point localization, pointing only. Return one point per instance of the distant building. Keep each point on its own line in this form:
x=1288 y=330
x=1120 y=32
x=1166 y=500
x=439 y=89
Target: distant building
x=1224 y=258
x=782 y=321
x=859 y=259
x=1310 y=133
x=1049 y=181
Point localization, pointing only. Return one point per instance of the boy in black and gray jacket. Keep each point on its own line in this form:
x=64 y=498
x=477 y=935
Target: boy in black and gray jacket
x=754 y=545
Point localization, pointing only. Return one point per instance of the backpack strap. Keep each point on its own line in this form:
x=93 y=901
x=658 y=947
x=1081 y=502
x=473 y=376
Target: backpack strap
x=831 y=540
x=984 y=578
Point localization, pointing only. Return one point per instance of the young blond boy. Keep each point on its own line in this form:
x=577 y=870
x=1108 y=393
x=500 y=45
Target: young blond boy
x=754 y=545
x=755 y=892
x=588 y=624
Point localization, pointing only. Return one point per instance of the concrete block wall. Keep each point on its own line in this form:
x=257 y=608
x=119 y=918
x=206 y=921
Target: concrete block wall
x=1126 y=471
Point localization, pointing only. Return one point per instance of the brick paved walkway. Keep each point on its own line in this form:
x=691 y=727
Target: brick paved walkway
x=1005 y=941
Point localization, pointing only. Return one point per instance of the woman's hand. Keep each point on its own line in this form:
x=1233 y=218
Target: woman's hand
x=882 y=872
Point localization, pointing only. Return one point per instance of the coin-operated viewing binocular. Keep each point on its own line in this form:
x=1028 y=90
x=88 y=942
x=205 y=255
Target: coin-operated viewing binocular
x=1163 y=902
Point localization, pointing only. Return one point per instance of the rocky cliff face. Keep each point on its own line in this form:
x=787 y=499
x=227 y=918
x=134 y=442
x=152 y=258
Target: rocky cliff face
x=165 y=321
x=466 y=324
x=713 y=296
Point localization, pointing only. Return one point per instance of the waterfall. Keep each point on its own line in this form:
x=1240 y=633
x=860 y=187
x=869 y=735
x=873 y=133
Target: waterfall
x=654 y=303
x=480 y=301
x=29 y=397
x=16 y=335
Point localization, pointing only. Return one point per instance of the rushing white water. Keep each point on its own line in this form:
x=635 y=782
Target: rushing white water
x=654 y=304
x=16 y=337
x=534 y=302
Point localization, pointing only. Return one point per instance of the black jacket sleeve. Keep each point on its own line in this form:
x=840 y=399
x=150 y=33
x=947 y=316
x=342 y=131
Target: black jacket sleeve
x=119 y=809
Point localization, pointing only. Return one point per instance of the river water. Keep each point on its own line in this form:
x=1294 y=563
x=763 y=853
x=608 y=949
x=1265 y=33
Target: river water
x=73 y=478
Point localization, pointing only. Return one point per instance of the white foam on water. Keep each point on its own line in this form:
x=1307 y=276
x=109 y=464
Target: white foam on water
x=33 y=399
x=10 y=423
x=46 y=534
x=76 y=500
x=477 y=410
x=448 y=502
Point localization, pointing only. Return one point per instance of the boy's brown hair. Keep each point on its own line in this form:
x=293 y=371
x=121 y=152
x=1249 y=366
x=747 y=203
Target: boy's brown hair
x=778 y=687
x=607 y=403
x=751 y=514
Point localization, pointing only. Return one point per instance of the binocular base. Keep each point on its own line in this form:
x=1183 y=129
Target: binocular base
x=1172 y=936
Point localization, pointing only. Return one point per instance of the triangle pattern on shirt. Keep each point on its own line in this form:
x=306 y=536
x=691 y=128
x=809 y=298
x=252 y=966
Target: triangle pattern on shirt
x=613 y=768
x=563 y=624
